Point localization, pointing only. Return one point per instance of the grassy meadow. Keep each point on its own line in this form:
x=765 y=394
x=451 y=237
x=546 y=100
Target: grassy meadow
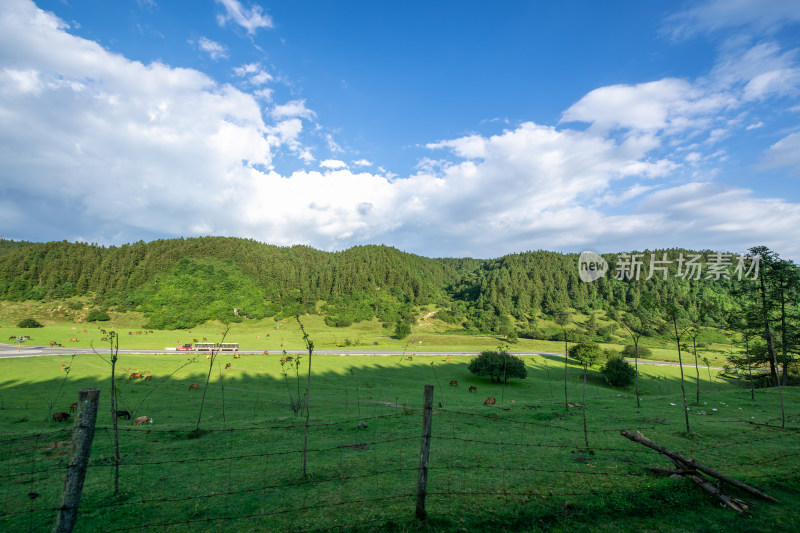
x=520 y=465
x=427 y=334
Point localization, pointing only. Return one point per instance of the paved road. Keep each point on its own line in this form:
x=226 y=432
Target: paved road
x=15 y=350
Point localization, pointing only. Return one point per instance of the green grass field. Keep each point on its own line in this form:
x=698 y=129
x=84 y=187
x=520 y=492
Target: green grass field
x=428 y=334
x=520 y=465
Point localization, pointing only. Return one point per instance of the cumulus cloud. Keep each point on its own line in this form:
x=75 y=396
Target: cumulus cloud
x=152 y=150
x=250 y=19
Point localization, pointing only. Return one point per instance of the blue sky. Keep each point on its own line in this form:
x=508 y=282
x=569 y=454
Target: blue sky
x=441 y=128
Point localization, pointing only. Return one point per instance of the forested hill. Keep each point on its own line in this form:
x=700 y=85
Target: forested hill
x=180 y=282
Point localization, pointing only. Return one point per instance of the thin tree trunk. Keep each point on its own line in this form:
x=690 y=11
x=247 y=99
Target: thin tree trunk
x=696 y=366
x=114 y=412
x=680 y=364
x=566 y=354
x=583 y=408
x=774 y=361
x=636 y=368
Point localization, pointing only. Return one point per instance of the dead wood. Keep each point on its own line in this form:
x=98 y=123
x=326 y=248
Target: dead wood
x=691 y=464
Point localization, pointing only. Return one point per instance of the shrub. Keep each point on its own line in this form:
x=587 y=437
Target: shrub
x=630 y=351
x=402 y=330
x=498 y=364
x=96 y=315
x=618 y=372
x=29 y=323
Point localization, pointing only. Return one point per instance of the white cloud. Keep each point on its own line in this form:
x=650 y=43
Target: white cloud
x=213 y=49
x=136 y=148
x=254 y=73
x=332 y=163
x=250 y=19
x=784 y=153
x=714 y=15
x=294 y=108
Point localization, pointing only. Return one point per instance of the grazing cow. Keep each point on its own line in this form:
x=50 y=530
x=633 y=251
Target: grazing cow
x=410 y=358
x=60 y=417
x=73 y=339
x=73 y=407
x=489 y=401
x=104 y=339
x=473 y=389
x=194 y=386
x=125 y=415
x=142 y=420
x=12 y=338
x=52 y=343
x=236 y=355
x=454 y=383
x=64 y=367
x=448 y=360
x=135 y=375
x=227 y=365
x=148 y=378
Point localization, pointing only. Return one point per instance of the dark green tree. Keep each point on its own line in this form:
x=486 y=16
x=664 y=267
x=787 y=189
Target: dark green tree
x=618 y=372
x=29 y=323
x=402 y=330
x=498 y=364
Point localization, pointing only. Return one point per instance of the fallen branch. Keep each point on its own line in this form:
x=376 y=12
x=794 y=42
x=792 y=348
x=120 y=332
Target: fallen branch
x=691 y=464
x=736 y=504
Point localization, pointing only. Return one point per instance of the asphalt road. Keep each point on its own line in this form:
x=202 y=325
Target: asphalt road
x=24 y=350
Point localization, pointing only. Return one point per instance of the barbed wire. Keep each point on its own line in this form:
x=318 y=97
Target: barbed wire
x=251 y=455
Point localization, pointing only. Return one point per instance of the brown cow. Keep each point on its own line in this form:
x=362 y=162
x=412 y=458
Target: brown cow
x=489 y=401
x=73 y=340
x=73 y=407
x=142 y=420
x=135 y=375
x=148 y=378
x=448 y=359
x=194 y=386
x=410 y=358
x=473 y=389
x=227 y=365
x=454 y=383
x=236 y=355
x=64 y=367
x=60 y=417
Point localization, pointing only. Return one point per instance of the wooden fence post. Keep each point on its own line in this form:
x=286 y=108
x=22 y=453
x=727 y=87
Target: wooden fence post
x=425 y=447
x=82 y=436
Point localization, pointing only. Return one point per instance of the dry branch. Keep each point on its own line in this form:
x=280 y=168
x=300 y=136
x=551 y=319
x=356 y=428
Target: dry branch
x=691 y=464
x=734 y=503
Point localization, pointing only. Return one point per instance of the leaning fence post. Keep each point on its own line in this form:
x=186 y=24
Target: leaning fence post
x=82 y=436
x=425 y=447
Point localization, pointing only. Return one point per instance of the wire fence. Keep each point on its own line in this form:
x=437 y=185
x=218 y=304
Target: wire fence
x=486 y=463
